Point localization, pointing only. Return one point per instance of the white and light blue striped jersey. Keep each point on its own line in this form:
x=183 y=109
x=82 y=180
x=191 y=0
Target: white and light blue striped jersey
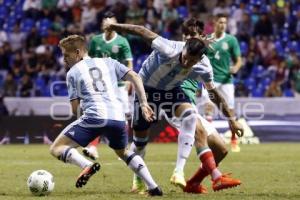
x=95 y=82
x=162 y=69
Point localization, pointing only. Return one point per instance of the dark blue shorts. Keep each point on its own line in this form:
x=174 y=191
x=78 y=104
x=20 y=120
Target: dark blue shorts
x=85 y=130
x=158 y=99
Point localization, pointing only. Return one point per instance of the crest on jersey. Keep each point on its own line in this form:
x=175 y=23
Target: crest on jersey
x=225 y=46
x=115 y=49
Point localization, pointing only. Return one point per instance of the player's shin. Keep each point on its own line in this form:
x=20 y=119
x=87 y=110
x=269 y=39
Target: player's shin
x=136 y=164
x=138 y=146
x=208 y=162
x=186 y=138
x=72 y=156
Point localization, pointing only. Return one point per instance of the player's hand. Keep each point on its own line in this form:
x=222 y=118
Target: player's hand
x=107 y=22
x=233 y=70
x=208 y=41
x=147 y=112
x=236 y=128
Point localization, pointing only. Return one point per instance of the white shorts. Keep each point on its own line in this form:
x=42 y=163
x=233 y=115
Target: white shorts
x=226 y=90
x=175 y=122
x=210 y=129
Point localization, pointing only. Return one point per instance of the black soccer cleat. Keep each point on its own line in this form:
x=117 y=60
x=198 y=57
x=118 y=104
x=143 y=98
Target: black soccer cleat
x=86 y=174
x=155 y=192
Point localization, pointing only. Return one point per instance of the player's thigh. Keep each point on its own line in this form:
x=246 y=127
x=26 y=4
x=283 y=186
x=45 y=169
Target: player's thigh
x=116 y=133
x=83 y=131
x=227 y=90
x=62 y=139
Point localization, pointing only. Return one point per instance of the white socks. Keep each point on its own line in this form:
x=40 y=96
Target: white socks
x=186 y=140
x=71 y=155
x=136 y=164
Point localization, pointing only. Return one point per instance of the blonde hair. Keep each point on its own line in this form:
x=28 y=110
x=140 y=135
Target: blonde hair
x=73 y=42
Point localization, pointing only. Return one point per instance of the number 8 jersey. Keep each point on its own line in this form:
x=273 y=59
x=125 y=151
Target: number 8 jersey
x=95 y=82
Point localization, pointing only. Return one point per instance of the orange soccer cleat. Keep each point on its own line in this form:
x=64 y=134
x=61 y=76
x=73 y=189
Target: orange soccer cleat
x=224 y=182
x=86 y=174
x=195 y=188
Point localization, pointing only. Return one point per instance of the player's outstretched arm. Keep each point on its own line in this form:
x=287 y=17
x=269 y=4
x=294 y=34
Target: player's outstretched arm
x=134 y=78
x=217 y=99
x=145 y=33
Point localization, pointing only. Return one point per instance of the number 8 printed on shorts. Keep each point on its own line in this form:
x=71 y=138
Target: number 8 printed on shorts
x=98 y=83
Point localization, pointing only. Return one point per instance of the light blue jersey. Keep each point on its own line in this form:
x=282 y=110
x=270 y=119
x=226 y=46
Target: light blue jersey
x=162 y=69
x=95 y=82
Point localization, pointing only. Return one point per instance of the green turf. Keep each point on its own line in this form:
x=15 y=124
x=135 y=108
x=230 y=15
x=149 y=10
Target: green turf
x=267 y=171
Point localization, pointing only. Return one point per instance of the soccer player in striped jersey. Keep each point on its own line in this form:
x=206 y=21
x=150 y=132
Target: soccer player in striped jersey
x=169 y=64
x=111 y=44
x=93 y=84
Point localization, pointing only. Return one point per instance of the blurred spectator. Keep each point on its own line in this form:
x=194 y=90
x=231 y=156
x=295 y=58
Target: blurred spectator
x=4 y=58
x=32 y=67
x=221 y=8
x=32 y=8
x=26 y=86
x=65 y=9
x=3 y=38
x=152 y=16
x=273 y=90
x=88 y=17
x=209 y=25
x=239 y=12
x=265 y=46
x=169 y=18
x=16 y=38
x=3 y=109
x=135 y=14
x=277 y=17
x=120 y=10
x=244 y=28
x=33 y=39
x=9 y=86
x=49 y=4
x=263 y=26
x=296 y=81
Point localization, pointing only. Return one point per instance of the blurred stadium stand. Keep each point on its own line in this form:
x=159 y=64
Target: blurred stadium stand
x=30 y=31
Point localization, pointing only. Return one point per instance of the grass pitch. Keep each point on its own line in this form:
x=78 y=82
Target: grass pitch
x=267 y=171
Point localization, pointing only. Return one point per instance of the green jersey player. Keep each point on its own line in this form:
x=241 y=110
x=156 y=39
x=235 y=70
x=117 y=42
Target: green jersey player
x=225 y=50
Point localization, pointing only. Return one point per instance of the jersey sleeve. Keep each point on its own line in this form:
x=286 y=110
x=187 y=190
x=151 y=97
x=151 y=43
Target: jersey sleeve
x=204 y=71
x=120 y=69
x=71 y=84
x=235 y=48
x=126 y=50
x=167 y=47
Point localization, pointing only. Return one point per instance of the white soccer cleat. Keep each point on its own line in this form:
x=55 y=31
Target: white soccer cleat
x=178 y=179
x=91 y=152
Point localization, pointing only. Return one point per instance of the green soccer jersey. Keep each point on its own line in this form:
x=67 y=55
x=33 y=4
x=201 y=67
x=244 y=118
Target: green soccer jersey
x=117 y=48
x=224 y=49
x=190 y=87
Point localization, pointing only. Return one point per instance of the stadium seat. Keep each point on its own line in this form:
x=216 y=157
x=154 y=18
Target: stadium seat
x=266 y=82
x=257 y=92
x=139 y=62
x=8 y=3
x=182 y=12
x=244 y=47
x=3 y=12
x=250 y=83
x=288 y=93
